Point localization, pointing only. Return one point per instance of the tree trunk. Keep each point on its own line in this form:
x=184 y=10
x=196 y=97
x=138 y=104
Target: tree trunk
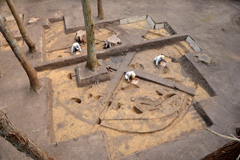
x=19 y=140
x=100 y=10
x=92 y=62
x=228 y=152
x=32 y=75
x=31 y=45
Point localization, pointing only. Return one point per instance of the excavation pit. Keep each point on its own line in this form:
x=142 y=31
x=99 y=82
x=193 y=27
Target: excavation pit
x=133 y=116
x=156 y=111
x=156 y=115
x=58 y=43
x=146 y=25
x=141 y=28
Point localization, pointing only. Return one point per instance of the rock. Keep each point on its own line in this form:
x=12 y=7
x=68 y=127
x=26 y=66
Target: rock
x=204 y=58
x=193 y=44
x=33 y=20
x=151 y=22
x=132 y=99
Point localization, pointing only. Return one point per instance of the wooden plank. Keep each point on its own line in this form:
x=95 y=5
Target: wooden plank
x=118 y=75
x=103 y=101
x=163 y=81
x=159 y=80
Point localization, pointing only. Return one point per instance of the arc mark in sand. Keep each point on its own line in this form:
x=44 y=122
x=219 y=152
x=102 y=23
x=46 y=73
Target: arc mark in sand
x=176 y=117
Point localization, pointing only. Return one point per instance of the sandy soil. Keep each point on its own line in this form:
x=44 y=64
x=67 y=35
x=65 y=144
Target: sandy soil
x=122 y=118
x=68 y=100
x=138 y=116
x=167 y=119
x=173 y=71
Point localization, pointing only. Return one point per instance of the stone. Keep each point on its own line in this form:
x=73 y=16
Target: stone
x=33 y=20
x=123 y=21
x=132 y=19
x=159 y=25
x=85 y=76
x=136 y=19
x=169 y=29
x=151 y=22
x=204 y=58
x=192 y=44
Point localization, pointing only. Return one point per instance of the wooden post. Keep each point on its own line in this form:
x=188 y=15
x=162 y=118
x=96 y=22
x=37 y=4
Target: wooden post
x=19 y=140
x=32 y=75
x=92 y=62
x=100 y=10
x=31 y=45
